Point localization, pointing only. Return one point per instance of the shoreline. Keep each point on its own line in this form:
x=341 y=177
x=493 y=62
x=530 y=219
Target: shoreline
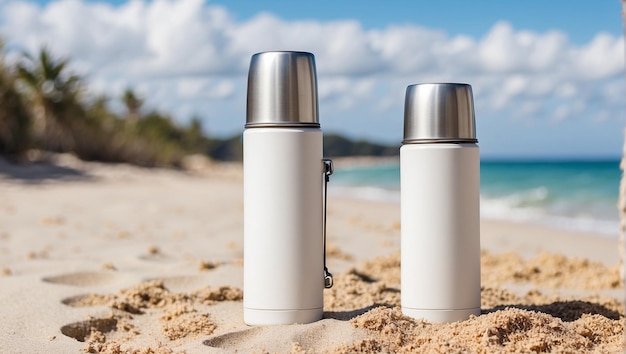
x=45 y=173
x=501 y=236
x=601 y=228
x=495 y=208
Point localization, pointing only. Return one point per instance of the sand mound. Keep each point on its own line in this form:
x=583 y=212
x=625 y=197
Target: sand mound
x=363 y=315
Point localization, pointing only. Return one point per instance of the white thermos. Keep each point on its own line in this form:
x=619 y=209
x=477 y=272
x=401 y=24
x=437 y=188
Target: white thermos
x=440 y=196
x=284 y=270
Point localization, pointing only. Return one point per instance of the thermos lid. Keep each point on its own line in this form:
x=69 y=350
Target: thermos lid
x=282 y=90
x=439 y=112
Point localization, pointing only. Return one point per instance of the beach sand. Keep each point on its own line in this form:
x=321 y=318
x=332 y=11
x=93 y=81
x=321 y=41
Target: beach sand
x=121 y=259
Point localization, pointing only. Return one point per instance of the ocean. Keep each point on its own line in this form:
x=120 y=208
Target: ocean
x=578 y=195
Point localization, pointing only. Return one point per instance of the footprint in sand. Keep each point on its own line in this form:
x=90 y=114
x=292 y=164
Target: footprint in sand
x=87 y=279
x=306 y=336
x=81 y=330
x=176 y=314
x=234 y=340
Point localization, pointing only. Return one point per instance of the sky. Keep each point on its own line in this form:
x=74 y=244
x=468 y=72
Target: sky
x=548 y=76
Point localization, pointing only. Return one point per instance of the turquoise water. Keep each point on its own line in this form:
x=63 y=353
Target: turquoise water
x=578 y=195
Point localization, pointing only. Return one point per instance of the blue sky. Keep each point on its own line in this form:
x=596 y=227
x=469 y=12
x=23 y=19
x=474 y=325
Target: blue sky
x=548 y=76
x=580 y=19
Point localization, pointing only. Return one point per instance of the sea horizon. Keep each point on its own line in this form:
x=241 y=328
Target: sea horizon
x=574 y=193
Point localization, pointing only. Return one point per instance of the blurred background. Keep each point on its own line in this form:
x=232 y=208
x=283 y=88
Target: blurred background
x=150 y=82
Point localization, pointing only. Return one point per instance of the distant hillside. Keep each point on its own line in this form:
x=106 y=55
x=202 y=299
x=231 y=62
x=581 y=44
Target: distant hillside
x=335 y=145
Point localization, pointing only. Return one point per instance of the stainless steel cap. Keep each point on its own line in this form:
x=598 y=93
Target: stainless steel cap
x=282 y=90
x=439 y=113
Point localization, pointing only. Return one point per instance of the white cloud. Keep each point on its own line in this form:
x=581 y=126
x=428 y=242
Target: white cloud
x=501 y=50
x=346 y=92
x=602 y=58
x=190 y=56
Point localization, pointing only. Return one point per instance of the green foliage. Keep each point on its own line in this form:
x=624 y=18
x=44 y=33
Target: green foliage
x=132 y=102
x=60 y=119
x=15 y=120
x=54 y=94
x=42 y=105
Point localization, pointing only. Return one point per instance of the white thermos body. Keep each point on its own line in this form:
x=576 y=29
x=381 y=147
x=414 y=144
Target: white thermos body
x=440 y=196
x=283 y=192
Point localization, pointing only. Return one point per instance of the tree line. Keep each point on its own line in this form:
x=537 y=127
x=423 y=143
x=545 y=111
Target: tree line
x=43 y=105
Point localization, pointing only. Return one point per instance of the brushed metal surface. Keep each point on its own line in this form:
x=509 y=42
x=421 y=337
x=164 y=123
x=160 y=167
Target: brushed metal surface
x=439 y=112
x=282 y=90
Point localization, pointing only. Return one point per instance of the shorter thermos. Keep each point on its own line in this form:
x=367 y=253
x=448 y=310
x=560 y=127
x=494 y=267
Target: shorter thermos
x=285 y=178
x=439 y=203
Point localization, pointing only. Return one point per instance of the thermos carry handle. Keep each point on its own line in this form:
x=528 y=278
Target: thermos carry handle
x=328 y=170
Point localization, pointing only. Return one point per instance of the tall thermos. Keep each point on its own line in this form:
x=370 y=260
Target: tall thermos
x=284 y=270
x=440 y=217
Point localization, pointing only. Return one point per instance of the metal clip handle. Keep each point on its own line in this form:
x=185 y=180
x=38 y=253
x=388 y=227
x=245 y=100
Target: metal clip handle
x=328 y=170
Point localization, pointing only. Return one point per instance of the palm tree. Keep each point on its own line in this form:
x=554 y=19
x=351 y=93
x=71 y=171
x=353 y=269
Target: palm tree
x=14 y=117
x=54 y=96
x=133 y=103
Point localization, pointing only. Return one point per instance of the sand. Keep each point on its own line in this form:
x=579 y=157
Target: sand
x=119 y=259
